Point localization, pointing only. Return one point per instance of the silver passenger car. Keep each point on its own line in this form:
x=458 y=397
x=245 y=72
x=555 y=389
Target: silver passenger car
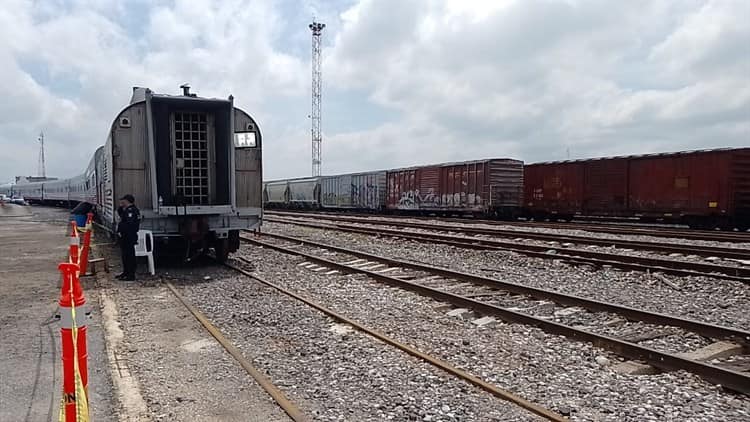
x=193 y=164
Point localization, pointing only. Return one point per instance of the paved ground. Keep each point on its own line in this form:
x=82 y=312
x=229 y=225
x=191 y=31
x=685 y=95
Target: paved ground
x=30 y=366
x=182 y=372
x=158 y=363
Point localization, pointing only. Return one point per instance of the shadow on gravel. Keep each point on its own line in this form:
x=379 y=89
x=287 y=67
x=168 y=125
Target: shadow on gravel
x=201 y=270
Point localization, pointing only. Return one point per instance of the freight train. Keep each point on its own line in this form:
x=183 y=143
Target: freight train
x=483 y=188
x=194 y=166
x=704 y=189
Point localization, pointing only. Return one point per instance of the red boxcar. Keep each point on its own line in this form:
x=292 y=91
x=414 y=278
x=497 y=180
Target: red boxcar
x=490 y=187
x=705 y=188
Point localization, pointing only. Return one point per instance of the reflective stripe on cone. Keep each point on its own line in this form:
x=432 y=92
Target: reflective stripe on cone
x=74 y=402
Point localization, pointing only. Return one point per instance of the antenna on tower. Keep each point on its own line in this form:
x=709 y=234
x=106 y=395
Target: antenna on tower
x=317 y=138
x=41 y=170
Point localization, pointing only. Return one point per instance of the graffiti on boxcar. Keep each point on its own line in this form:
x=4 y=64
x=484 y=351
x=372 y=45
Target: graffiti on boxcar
x=352 y=194
x=330 y=198
x=461 y=199
x=363 y=191
x=365 y=195
x=413 y=199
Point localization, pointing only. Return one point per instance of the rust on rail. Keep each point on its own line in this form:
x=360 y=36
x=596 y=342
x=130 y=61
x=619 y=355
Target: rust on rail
x=730 y=379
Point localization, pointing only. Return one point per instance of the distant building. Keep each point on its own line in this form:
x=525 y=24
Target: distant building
x=32 y=179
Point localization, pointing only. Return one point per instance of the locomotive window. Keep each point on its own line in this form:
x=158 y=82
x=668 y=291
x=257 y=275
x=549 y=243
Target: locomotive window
x=681 y=182
x=244 y=140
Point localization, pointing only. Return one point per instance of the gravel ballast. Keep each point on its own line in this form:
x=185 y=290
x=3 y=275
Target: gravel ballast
x=379 y=220
x=330 y=371
x=715 y=301
x=552 y=370
x=568 y=248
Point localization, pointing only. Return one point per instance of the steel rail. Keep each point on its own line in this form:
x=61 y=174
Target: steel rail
x=733 y=253
x=691 y=234
x=290 y=408
x=443 y=365
x=680 y=268
x=727 y=378
x=707 y=330
x=637 y=230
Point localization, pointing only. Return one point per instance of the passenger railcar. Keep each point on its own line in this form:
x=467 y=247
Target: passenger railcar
x=33 y=193
x=193 y=164
x=703 y=189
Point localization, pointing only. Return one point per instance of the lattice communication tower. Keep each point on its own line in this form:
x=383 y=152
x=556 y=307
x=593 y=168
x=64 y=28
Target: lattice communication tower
x=317 y=138
x=41 y=165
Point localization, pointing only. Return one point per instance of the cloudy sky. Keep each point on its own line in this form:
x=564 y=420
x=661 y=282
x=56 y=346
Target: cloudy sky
x=405 y=82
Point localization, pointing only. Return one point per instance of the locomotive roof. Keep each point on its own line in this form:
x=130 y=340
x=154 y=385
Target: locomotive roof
x=656 y=154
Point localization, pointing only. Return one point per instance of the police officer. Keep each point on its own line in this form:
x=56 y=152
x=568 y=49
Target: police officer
x=127 y=230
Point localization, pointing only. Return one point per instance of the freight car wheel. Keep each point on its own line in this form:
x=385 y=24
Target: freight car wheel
x=222 y=250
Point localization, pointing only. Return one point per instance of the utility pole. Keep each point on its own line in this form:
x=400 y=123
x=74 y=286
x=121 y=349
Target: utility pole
x=317 y=138
x=41 y=170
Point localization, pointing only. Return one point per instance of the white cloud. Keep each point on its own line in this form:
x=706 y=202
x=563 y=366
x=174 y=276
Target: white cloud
x=598 y=78
x=454 y=79
x=220 y=49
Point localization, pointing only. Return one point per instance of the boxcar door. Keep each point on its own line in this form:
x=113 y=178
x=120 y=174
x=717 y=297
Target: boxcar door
x=606 y=186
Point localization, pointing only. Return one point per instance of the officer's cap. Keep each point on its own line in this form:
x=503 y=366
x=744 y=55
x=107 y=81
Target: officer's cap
x=129 y=198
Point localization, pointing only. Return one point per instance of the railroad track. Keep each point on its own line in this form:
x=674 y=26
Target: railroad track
x=707 y=251
x=619 y=229
x=292 y=409
x=432 y=360
x=641 y=230
x=571 y=255
x=520 y=304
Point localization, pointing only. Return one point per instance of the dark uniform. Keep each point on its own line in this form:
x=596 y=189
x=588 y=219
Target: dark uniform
x=127 y=229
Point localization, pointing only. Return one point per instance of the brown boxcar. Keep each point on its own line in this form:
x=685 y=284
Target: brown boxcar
x=554 y=190
x=489 y=187
x=706 y=188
